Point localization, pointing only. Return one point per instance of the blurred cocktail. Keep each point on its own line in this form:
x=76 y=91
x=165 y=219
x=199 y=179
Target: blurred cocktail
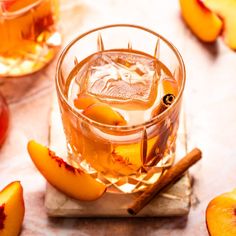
x=29 y=36
x=120 y=90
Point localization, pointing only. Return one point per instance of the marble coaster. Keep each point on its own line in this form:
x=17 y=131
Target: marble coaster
x=174 y=201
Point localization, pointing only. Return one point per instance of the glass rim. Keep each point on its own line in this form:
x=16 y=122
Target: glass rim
x=123 y=127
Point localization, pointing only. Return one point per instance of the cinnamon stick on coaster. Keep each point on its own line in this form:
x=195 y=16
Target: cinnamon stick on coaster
x=169 y=177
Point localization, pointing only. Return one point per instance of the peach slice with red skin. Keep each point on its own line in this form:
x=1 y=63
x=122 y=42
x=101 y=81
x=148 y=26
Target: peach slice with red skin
x=12 y=209
x=103 y=113
x=226 y=10
x=84 y=100
x=72 y=181
x=221 y=215
x=98 y=111
x=204 y=23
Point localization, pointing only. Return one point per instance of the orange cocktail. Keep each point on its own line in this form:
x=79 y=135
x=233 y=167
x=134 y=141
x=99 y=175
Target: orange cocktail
x=120 y=103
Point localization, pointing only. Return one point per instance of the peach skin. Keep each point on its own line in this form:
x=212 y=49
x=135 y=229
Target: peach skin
x=12 y=209
x=226 y=10
x=204 y=23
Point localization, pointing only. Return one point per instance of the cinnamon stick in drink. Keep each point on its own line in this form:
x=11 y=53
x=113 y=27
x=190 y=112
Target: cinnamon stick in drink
x=152 y=157
x=169 y=91
x=165 y=102
x=169 y=177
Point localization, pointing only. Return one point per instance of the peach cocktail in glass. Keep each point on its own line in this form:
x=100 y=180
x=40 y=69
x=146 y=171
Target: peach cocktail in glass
x=29 y=36
x=119 y=89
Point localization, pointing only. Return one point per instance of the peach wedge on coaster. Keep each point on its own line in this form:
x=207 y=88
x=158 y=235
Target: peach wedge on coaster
x=221 y=215
x=12 y=209
x=72 y=181
x=204 y=23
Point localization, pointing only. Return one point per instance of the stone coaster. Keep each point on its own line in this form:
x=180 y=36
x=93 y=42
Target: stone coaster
x=174 y=201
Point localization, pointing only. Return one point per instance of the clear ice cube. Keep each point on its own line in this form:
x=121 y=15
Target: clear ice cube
x=121 y=76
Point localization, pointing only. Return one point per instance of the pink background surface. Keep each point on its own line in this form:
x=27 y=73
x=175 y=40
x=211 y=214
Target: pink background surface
x=209 y=101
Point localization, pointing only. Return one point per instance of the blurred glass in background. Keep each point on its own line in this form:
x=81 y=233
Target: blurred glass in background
x=29 y=35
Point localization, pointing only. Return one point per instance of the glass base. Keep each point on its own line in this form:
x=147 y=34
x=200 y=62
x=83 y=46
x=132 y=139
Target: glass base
x=131 y=183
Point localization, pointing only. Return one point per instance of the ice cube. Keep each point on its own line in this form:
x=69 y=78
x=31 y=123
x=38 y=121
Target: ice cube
x=121 y=77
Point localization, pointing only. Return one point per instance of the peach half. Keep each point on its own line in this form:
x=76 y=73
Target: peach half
x=204 y=23
x=72 y=181
x=12 y=209
x=221 y=215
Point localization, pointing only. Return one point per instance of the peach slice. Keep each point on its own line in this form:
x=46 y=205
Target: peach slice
x=121 y=166
x=132 y=153
x=12 y=209
x=72 y=181
x=204 y=23
x=96 y=153
x=103 y=113
x=226 y=9
x=221 y=215
x=84 y=100
x=129 y=152
x=102 y=158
